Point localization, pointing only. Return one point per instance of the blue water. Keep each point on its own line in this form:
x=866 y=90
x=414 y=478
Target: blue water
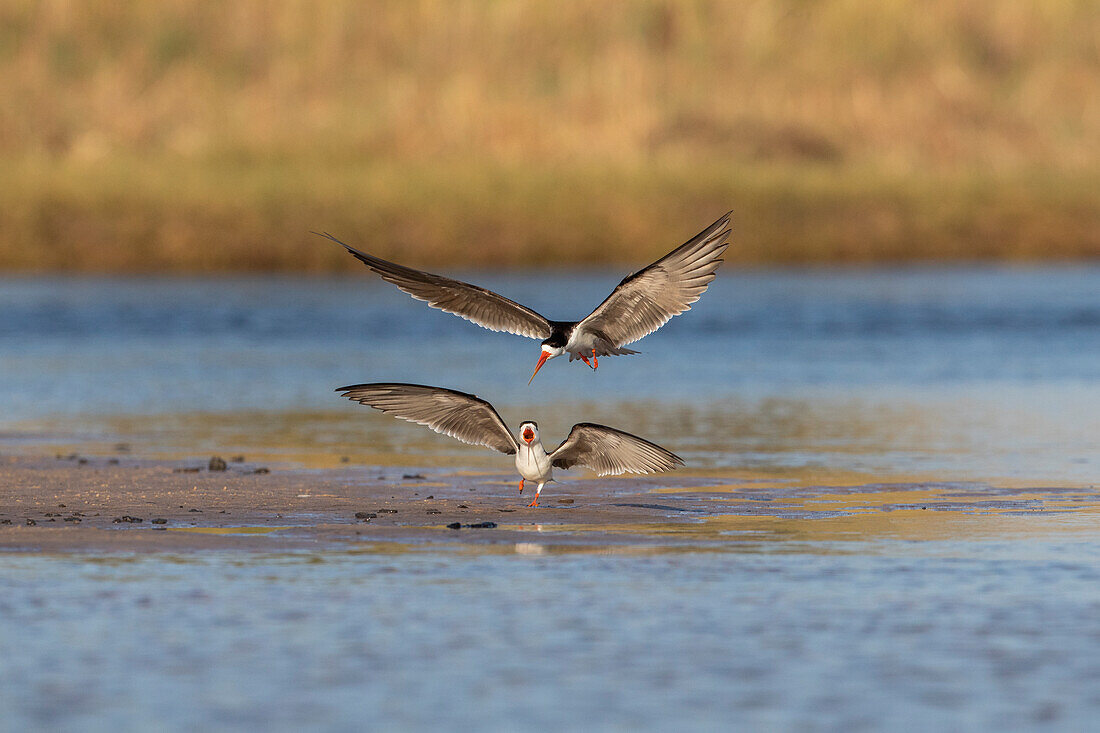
x=955 y=636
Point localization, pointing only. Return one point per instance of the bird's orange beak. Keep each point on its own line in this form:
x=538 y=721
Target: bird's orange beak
x=528 y=435
x=542 y=360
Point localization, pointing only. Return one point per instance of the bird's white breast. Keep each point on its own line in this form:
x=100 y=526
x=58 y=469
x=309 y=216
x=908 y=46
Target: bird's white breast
x=533 y=463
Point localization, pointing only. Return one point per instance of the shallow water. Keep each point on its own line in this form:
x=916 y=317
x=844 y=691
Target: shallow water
x=918 y=604
x=954 y=635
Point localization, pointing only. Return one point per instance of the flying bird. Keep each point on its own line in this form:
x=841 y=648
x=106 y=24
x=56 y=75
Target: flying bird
x=640 y=304
x=472 y=420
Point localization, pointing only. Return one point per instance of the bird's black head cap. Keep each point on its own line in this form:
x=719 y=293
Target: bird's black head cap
x=557 y=339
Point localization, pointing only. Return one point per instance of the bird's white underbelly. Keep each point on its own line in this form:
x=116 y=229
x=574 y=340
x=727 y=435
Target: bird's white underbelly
x=533 y=463
x=581 y=341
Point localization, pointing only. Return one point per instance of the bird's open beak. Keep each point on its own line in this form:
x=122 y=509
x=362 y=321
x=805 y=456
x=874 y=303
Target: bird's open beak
x=542 y=360
x=528 y=435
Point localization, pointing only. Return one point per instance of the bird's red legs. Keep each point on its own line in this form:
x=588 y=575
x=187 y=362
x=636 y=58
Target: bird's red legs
x=595 y=363
x=535 y=501
x=521 y=486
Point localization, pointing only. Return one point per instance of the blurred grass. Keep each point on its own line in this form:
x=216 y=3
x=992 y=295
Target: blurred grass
x=206 y=136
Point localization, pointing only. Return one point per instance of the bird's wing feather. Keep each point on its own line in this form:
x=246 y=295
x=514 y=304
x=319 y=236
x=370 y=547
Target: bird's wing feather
x=457 y=414
x=646 y=300
x=484 y=307
x=608 y=451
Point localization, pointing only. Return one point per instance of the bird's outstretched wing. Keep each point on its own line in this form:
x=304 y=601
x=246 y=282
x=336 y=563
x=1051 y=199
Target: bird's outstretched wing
x=608 y=451
x=457 y=414
x=483 y=307
x=646 y=300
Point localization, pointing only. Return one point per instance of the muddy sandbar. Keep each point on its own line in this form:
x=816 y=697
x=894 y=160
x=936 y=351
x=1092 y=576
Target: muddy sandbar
x=132 y=505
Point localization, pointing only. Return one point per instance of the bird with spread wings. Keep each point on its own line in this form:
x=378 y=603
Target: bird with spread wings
x=641 y=303
x=468 y=418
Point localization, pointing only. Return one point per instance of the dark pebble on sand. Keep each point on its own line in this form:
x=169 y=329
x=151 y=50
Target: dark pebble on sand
x=122 y=447
x=431 y=496
x=112 y=461
x=82 y=461
x=262 y=470
x=5 y=521
x=160 y=520
x=127 y=519
x=482 y=525
x=452 y=525
x=237 y=459
x=31 y=523
x=51 y=514
x=344 y=459
x=196 y=511
x=365 y=515
x=387 y=511
x=463 y=506
x=412 y=475
x=217 y=463
x=434 y=511
x=185 y=470
x=60 y=506
x=72 y=519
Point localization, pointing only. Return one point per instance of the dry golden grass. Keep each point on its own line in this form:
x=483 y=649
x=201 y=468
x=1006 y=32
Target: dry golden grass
x=209 y=136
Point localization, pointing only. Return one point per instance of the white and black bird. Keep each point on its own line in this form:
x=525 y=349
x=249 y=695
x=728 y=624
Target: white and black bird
x=640 y=304
x=472 y=420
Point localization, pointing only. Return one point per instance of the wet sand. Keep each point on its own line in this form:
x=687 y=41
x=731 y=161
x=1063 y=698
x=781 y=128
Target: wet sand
x=97 y=504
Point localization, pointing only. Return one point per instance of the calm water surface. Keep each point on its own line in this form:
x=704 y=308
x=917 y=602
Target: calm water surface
x=944 y=636
x=987 y=375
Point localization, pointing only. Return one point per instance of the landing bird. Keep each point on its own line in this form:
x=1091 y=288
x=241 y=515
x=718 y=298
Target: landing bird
x=472 y=420
x=640 y=304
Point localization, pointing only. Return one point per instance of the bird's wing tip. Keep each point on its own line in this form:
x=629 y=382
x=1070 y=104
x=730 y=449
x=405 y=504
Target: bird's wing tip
x=332 y=238
x=724 y=220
